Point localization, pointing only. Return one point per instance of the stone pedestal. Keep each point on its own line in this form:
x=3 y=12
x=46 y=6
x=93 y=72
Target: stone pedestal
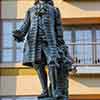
x=50 y=98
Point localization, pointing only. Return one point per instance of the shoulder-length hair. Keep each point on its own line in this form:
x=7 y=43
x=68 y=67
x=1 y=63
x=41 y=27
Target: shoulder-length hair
x=36 y=2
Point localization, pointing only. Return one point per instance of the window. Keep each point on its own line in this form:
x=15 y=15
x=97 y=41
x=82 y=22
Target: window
x=7 y=42
x=83 y=50
x=12 y=51
x=82 y=45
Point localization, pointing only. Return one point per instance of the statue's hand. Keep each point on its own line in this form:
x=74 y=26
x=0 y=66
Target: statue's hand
x=18 y=40
x=17 y=36
x=73 y=69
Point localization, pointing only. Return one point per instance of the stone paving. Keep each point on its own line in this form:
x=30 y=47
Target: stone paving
x=29 y=98
x=18 y=98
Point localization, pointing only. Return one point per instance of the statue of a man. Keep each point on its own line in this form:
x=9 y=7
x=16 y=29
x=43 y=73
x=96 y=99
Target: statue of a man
x=44 y=45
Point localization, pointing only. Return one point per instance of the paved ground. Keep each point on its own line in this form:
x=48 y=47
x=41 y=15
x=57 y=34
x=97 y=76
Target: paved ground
x=18 y=98
x=25 y=98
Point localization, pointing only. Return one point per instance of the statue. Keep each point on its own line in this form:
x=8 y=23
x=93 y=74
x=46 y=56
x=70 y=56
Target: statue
x=44 y=45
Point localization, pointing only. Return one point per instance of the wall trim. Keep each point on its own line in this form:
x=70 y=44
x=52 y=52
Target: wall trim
x=31 y=72
x=72 y=21
x=81 y=21
x=71 y=97
x=85 y=97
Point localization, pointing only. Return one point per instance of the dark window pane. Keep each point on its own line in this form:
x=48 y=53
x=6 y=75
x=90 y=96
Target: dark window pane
x=97 y=35
x=19 y=55
x=83 y=36
x=19 y=45
x=7 y=34
x=67 y=36
x=7 y=55
x=98 y=52
x=98 y=46
x=68 y=40
x=83 y=53
x=18 y=24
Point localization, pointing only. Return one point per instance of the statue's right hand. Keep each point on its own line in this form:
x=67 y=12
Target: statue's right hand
x=17 y=36
x=14 y=31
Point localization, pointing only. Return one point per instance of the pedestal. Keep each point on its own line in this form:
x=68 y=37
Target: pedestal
x=47 y=98
x=51 y=98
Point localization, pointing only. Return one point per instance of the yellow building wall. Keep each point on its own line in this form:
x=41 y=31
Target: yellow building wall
x=22 y=6
x=69 y=9
x=83 y=86
x=78 y=8
x=30 y=85
x=9 y=9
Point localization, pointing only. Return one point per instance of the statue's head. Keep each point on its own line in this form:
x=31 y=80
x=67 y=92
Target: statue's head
x=51 y=2
x=47 y=1
x=36 y=1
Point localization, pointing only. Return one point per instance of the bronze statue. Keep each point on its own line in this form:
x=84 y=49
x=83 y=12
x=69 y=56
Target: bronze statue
x=44 y=45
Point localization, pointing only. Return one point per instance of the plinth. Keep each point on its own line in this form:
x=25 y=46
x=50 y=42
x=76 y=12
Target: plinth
x=47 y=98
x=51 y=98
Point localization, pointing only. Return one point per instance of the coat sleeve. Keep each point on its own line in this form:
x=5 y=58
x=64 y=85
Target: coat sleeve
x=20 y=33
x=26 y=23
x=58 y=28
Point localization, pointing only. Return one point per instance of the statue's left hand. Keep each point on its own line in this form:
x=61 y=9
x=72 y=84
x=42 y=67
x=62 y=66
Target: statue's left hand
x=73 y=69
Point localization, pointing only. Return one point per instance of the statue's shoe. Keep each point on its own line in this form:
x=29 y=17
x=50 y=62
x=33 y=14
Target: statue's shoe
x=43 y=95
x=59 y=95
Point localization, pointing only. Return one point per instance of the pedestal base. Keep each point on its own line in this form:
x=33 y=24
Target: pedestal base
x=47 y=98
x=51 y=98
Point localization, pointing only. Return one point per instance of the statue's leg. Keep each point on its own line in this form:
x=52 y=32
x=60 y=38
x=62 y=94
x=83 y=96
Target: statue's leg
x=51 y=72
x=66 y=81
x=66 y=84
x=52 y=67
x=61 y=83
x=40 y=69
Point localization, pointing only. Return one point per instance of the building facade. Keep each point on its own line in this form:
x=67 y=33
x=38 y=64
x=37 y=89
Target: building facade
x=81 y=22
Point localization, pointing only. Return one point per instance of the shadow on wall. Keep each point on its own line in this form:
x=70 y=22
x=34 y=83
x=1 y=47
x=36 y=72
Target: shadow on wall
x=18 y=81
x=9 y=9
x=86 y=5
x=7 y=85
x=91 y=82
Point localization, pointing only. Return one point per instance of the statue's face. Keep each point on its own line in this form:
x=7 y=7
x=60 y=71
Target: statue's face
x=49 y=1
x=42 y=0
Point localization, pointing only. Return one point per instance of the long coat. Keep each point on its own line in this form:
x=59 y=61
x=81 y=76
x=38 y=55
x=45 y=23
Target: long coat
x=51 y=25
x=29 y=29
